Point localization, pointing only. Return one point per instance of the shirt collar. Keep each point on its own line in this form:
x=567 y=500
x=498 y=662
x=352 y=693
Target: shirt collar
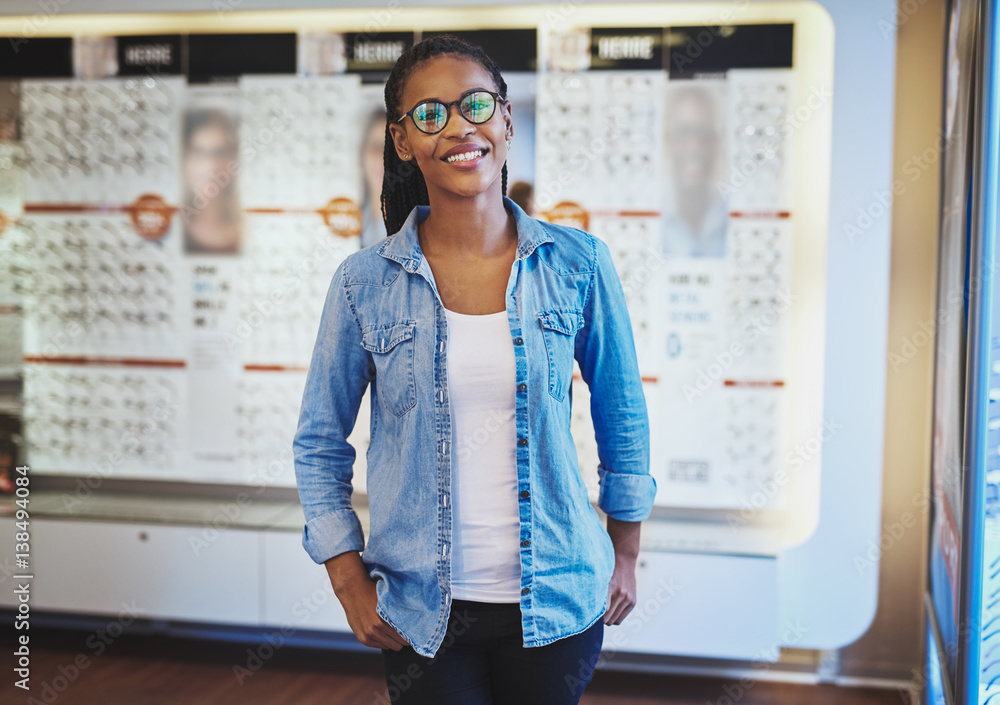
x=404 y=247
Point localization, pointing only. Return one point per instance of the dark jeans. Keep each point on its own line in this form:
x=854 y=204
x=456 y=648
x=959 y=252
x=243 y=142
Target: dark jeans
x=482 y=661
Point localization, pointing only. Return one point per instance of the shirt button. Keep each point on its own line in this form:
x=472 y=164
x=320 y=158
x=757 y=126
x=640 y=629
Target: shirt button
x=525 y=494
x=518 y=341
x=525 y=543
x=525 y=591
x=522 y=441
x=522 y=387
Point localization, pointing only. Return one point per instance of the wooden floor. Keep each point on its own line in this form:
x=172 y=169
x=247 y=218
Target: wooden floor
x=157 y=670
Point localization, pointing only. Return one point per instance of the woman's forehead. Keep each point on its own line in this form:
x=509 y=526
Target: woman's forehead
x=446 y=76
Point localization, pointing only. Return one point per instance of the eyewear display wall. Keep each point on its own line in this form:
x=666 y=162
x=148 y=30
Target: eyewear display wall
x=694 y=140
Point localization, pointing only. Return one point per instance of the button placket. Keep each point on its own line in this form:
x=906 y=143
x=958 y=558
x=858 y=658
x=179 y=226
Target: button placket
x=522 y=460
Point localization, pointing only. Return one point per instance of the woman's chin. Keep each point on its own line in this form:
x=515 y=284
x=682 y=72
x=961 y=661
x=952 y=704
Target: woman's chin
x=469 y=185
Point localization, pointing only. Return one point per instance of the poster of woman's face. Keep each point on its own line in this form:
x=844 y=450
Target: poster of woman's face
x=211 y=212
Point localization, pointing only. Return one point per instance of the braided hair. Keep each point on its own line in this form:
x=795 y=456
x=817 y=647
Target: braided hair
x=403 y=186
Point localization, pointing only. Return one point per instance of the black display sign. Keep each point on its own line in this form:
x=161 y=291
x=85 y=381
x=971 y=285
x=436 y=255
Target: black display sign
x=230 y=55
x=626 y=48
x=36 y=57
x=510 y=49
x=375 y=52
x=151 y=54
x=708 y=50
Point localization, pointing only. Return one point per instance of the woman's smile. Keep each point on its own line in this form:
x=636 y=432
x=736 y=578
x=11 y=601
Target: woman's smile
x=465 y=156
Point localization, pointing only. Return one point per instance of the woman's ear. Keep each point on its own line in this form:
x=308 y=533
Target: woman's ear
x=505 y=111
x=400 y=141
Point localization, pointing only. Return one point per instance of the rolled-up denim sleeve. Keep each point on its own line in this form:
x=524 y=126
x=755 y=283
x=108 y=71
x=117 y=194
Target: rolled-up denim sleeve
x=605 y=351
x=339 y=372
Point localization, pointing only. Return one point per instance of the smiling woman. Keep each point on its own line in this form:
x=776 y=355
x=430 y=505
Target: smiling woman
x=487 y=576
x=485 y=127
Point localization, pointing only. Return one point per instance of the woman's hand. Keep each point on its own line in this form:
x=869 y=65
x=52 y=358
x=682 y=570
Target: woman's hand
x=621 y=588
x=357 y=594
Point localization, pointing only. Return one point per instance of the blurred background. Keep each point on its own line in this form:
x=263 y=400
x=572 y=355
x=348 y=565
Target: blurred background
x=797 y=198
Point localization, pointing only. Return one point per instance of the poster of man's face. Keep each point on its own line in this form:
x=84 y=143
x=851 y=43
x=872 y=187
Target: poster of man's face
x=695 y=211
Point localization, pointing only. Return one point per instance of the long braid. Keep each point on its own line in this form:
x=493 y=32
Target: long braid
x=403 y=186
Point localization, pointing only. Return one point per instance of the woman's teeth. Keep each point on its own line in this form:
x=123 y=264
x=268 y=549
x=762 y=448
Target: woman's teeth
x=465 y=156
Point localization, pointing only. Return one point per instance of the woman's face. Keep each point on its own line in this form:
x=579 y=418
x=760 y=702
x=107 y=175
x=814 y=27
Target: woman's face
x=447 y=78
x=209 y=152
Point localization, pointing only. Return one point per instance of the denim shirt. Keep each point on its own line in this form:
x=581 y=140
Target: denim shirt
x=384 y=325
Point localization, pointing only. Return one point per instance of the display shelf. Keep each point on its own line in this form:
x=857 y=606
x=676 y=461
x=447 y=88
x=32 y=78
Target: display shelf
x=658 y=535
x=148 y=508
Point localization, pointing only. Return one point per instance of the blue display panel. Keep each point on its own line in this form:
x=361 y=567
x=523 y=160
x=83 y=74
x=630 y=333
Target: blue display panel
x=971 y=643
x=981 y=606
x=951 y=336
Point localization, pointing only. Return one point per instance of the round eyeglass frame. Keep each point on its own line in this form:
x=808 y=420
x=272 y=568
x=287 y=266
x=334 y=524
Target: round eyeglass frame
x=497 y=99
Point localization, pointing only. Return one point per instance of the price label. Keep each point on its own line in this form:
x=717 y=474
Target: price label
x=570 y=214
x=343 y=217
x=151 y=216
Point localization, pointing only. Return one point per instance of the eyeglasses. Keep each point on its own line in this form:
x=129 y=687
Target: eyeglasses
x=431 y=116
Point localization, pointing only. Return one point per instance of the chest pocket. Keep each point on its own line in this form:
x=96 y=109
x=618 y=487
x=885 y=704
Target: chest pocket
x=559 y=330
x=392 y=351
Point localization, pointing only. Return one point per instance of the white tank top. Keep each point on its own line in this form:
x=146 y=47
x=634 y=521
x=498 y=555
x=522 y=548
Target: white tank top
x=485 y=560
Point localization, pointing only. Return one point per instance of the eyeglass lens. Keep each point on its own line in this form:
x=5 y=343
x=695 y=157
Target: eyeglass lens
x=432 y=115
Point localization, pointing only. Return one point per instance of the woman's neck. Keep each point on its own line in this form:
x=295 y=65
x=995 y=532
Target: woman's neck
x=467 y=227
